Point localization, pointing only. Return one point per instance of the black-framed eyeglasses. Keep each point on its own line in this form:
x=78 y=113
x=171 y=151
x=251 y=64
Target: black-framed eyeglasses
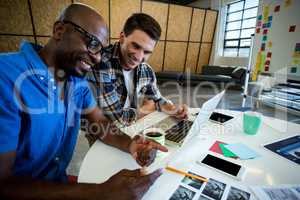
x=93 y=44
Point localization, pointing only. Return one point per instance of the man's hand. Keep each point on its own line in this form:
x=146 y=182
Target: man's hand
x=144 y=151
x=131 y=185
x=178 y=111
x=147 y=107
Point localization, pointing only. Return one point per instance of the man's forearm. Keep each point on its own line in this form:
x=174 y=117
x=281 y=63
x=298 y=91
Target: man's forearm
x=106 y=131
x=115 y=137
x=109 y=134
x=167 y=107
x=27 y=188
x=148 y=106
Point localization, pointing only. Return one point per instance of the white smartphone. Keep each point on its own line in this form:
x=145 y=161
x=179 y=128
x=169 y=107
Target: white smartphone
x=220 y=118
x=229 y=168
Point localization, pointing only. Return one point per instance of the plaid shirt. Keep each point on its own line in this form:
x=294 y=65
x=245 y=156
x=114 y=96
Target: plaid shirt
x=111 y=92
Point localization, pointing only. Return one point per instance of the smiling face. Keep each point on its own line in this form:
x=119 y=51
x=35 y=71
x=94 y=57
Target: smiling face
x=135 y=48
x=72 y=54
x=78 y=37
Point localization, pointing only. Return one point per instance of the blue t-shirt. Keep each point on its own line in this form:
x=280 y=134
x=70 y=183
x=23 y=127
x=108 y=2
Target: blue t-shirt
x=35 y=120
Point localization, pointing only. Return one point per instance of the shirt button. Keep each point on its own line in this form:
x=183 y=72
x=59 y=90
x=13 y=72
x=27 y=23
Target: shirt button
x=57 y=158
x=42 y=78
x=54 y=87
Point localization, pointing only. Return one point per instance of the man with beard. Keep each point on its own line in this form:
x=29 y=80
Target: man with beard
x=44 y=95
x=127 y=88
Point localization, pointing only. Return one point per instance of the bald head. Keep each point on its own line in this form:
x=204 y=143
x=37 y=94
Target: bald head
x=86 y=17
x=78 y=37
x=77 y=11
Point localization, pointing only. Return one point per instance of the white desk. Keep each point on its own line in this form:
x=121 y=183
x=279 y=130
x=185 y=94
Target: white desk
x=102 y=161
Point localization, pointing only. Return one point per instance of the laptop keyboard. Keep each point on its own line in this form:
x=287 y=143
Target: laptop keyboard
x=179 y=131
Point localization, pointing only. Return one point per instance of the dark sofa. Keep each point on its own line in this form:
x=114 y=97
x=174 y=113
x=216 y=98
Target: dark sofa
x=210 y=73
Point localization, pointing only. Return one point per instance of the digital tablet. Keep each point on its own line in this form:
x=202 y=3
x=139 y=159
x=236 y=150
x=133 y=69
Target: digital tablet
x=288 y=148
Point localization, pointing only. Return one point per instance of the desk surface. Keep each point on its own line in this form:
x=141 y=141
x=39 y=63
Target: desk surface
x=102 y=161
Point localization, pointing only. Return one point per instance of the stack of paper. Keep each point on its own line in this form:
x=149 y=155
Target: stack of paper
x=242 y=151
x=237 y=150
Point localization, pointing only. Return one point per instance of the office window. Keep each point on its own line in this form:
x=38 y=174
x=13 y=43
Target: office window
x=240 y=24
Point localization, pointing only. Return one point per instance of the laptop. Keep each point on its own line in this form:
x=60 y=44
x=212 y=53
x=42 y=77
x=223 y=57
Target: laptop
x=177 y=131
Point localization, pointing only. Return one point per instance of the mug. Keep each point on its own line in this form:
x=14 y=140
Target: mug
x=251 y=122
x=157 y=135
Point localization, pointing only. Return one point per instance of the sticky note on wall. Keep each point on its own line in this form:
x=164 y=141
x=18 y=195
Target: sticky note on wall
x=270 y=18
x=270 y=44
x=292 y=28
x=296 y=54
x=267 y=68
x=266 y=13
x=293 y=70
x=295 y=62
x=263 y=46
x=269 y=54
x=257 y=66
x=259 y=17
x=263 y=59
x=264 y=38
x=277 y=8
x=297 y=47
x=287 y=3
x=259 y=23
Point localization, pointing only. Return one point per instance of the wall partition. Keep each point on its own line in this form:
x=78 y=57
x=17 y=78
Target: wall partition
x=185 y=43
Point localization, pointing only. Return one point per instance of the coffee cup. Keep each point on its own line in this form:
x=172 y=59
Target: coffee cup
x=157 y=135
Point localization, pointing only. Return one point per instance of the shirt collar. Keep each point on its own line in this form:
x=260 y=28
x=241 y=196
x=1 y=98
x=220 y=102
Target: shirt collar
x=116 y=51
x=37 y=65
x=30 y=50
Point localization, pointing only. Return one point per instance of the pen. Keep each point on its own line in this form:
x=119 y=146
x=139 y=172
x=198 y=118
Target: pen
x=186 y=174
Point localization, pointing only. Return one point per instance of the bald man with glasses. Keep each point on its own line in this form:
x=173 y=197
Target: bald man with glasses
x=44 y=95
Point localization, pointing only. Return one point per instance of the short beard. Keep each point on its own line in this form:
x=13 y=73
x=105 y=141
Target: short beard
x=66 y=62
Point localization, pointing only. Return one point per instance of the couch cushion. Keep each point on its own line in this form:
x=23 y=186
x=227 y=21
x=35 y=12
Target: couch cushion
x=238 y=73
x=212 y=78
x=216 y=70
x=168 y=76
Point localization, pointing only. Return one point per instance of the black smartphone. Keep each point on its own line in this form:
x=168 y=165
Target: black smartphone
x=229 y=168
x=220 y=118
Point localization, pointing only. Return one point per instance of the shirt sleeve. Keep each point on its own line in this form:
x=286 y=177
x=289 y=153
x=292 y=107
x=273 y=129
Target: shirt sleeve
x=147 y=85
x=108 y=98
x=10 y=119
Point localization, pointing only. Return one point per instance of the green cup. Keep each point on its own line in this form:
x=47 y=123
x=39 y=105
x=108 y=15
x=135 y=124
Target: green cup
x=251 y=122
x=157 y=135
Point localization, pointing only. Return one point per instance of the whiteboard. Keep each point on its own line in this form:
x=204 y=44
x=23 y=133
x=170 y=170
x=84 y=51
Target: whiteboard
x=283 y=41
